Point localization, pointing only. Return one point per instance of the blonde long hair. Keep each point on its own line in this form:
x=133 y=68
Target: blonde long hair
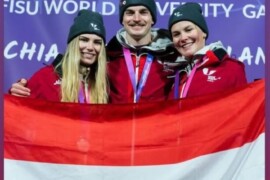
x=71 y=80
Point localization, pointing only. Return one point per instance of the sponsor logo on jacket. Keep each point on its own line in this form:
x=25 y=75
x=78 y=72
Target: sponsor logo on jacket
x=210 y=75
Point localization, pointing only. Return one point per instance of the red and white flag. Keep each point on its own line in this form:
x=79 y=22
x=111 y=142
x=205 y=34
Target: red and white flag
x=220 y=136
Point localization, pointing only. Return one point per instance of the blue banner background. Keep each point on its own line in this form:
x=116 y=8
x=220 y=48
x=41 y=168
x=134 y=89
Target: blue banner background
x=36 y=30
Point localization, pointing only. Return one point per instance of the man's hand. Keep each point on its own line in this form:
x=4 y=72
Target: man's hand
x=19 y=89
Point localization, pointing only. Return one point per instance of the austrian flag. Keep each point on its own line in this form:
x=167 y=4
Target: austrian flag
x=214 y=137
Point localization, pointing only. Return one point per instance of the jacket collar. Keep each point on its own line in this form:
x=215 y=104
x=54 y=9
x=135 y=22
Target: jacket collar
x=160 y=40
x=209 y=55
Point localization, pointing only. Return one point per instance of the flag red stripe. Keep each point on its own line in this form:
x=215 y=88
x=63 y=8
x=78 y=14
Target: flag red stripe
x=141 y=134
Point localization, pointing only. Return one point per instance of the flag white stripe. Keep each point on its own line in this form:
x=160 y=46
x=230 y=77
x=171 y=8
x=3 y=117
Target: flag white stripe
x=244 y=163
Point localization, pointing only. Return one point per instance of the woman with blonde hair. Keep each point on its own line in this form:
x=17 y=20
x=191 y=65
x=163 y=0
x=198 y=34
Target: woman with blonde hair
x=80 y=75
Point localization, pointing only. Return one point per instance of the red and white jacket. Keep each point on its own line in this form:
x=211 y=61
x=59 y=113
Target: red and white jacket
x=45 y=84
x=211 y=71
x=157 y=84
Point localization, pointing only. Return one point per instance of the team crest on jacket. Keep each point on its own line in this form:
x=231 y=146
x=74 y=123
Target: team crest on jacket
x=210 y=75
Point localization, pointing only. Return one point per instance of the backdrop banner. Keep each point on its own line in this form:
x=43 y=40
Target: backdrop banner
x=35 y=31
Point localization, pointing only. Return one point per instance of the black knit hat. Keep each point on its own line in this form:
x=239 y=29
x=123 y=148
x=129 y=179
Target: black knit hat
x=87 y=22
x=189 y=12
x=149 y=4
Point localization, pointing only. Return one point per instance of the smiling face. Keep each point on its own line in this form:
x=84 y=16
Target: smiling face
x=188 y=38
x=137 y=21
x=90 y=45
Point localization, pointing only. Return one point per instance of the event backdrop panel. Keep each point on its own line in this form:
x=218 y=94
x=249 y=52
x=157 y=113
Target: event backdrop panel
x=35 y=31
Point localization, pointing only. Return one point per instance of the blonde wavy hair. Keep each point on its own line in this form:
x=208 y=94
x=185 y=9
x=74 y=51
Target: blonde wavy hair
x=71 y=78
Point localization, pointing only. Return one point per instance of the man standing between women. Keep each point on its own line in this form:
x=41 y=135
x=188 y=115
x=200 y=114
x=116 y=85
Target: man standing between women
x=138 y=56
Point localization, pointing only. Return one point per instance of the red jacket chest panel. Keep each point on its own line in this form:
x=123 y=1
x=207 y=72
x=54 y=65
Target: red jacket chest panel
x=121 y=86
